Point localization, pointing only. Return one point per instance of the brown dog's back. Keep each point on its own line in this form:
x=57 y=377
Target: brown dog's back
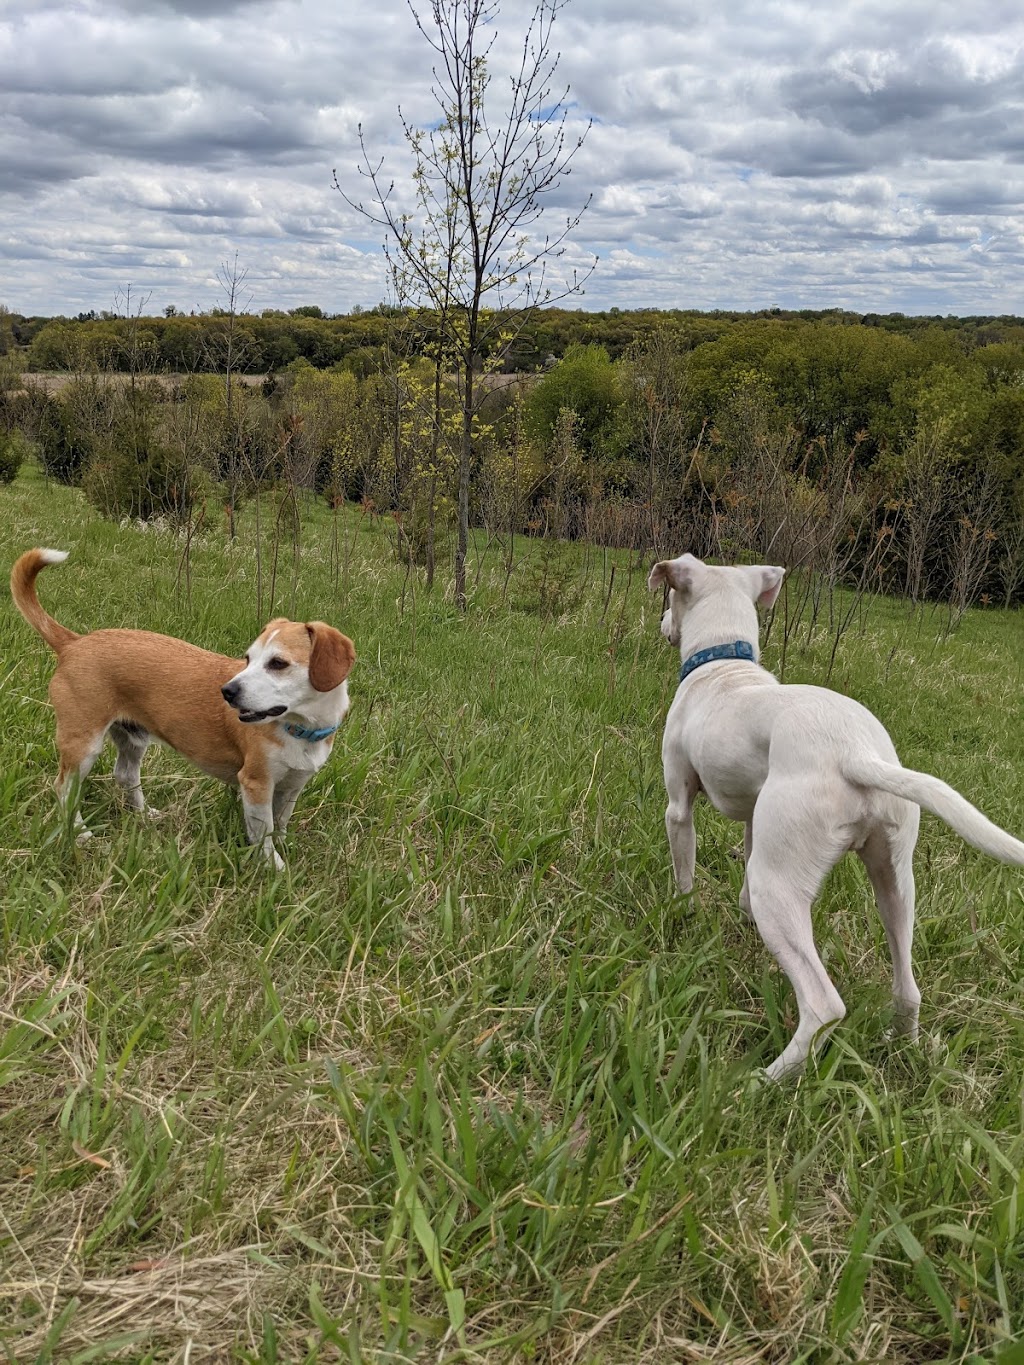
x=168 y=687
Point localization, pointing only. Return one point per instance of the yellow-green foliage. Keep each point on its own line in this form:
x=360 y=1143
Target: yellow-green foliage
x=326 y=402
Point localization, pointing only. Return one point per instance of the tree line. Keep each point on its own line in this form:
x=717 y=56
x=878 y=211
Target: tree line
x=885 y=456
x=185 y=343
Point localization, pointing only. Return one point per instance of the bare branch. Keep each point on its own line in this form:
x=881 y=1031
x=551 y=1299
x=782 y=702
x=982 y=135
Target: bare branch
x=478 y=193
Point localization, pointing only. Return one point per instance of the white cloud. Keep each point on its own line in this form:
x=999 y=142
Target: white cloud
x=743 y=155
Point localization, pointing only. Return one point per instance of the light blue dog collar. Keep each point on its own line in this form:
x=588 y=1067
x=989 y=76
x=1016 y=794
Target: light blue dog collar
x=739 y=649
x=301 y=732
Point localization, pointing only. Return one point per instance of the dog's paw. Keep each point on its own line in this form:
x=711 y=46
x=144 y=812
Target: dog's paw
x=83 y=835
x=781 y=1071
x=754 y=1084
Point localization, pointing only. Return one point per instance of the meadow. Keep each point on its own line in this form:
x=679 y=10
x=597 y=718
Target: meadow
x=468 y=1082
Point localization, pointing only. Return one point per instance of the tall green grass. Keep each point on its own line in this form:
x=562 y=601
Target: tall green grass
x=467 y=1082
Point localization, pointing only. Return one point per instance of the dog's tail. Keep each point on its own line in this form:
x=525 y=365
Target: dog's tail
x=23 y=589
x=938 y=797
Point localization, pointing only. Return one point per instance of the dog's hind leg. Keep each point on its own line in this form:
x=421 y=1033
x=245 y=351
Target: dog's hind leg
x=748 y=848
x=889 y=859
x=81 y=730
x=131 y=741
x=787 y=866
x=77 y=755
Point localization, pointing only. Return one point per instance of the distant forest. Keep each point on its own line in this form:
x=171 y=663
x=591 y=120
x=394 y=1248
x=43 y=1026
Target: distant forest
x=273 y=339
x=875 y=450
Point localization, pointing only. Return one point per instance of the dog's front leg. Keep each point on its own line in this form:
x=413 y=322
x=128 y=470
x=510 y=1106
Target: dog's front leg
x=683 y=787
x=258 y=808
x=286 y=793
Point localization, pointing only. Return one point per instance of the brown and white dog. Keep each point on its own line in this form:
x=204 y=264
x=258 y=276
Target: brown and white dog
x=265 y=723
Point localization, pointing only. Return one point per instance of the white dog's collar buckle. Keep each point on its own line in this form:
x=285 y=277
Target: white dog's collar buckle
x=738 y=649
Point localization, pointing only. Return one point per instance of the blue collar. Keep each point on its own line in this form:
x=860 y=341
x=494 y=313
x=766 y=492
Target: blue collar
x=301 y=732
x=739 y=649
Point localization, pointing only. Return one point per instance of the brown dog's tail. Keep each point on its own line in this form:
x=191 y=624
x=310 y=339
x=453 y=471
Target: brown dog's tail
x=23 y=589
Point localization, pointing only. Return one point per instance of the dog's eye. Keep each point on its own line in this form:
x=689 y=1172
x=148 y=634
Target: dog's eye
x=276 y=665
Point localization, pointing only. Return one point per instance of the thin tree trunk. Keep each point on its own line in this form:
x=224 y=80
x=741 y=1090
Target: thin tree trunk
x=465 y=453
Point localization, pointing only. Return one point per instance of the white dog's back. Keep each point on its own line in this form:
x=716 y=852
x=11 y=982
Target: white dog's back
x=737 y=723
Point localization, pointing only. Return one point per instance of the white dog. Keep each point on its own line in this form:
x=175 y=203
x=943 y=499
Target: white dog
x=265 y=724
x=812 y=774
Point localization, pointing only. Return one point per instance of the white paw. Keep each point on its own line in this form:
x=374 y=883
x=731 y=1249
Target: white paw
x=273 y=857
x=781 y=1070
x=83 y=835
x=754 y=1084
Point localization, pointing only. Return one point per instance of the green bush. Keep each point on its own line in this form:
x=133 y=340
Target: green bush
x=14 y=447
x=66 y=444
x=142 y=483
x=586 y=383
x=137 y=473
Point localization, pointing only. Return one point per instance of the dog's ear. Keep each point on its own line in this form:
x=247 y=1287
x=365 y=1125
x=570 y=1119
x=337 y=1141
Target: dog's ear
x=331 y=656
x=658 y=576
x=765 y=581
x=680 y=573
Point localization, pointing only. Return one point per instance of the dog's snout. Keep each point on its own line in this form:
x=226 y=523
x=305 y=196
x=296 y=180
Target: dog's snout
x=230 y=692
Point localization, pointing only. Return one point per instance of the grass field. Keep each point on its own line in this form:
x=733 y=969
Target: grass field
x=467 y=1082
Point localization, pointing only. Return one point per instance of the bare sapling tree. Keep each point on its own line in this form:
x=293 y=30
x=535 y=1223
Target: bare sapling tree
x=1010 y=565
x=133 y=472
x=231 y=350
x=655 y=381
x=136 y=400
x=136 y=351
x=972 y=541
x=469 y=247
x=927 y=461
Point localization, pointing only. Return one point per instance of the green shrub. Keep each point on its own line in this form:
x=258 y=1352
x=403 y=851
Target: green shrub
x=137 y=472
x=585 y=382
x=66 y=444
x=142 y=483
x=14 y=447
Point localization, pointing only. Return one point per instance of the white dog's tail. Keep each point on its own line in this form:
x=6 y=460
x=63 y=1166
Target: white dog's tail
x=936 y=796
x=23 y=589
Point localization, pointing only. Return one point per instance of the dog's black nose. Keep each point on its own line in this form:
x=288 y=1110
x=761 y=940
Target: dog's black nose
x=230 y=692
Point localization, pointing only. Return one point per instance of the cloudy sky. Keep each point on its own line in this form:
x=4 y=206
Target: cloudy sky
x=742 y=154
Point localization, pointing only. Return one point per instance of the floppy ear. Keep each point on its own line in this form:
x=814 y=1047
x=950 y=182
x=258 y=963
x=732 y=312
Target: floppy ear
x=680 y=573
x=331 y=656
x=765 y=581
